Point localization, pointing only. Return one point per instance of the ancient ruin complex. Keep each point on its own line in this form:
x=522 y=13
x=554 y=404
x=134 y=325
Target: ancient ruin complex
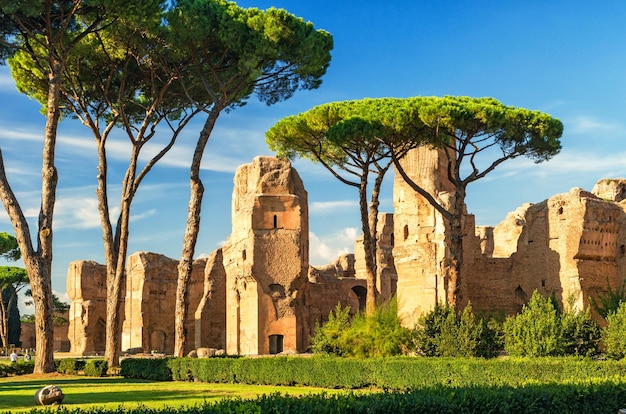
x=259 y=295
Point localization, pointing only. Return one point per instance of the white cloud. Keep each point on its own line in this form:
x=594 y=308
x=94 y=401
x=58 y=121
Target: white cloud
x=325 y=249
x=590 y=125
x=325 y=207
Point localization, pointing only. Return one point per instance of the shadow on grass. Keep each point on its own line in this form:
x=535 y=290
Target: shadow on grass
x=80 y=391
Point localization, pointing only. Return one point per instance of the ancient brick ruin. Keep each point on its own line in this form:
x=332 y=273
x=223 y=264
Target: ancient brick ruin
x=259 y=295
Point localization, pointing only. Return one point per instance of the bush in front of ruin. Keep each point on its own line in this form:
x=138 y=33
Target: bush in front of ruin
x=541 y=329
x=441 y=332
x=614 y=334
x=364 y=336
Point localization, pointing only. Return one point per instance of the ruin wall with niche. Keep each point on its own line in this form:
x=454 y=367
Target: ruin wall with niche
x=266 y=259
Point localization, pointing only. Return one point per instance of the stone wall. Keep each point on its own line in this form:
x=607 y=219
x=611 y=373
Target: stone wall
x=258 y=294
x=86 y=288
x=151 y=281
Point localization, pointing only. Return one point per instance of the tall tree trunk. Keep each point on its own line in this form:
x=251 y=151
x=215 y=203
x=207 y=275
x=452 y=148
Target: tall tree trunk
x=39 y=263
x=116 y=270
x=4 y=320
x=455 y=295
x=369 y=247
x=185 y=266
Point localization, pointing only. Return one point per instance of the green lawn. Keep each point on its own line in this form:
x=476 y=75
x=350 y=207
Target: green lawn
x=17 y=393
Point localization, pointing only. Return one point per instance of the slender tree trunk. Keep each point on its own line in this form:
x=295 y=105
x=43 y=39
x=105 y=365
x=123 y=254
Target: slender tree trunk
x=368 y=247
x=185 y=266
x=455 y=286
x=39 y=263
x=116 y=271
x=4 y=320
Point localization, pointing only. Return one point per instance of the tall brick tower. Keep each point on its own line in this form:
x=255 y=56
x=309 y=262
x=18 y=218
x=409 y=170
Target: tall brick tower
x=266 y=260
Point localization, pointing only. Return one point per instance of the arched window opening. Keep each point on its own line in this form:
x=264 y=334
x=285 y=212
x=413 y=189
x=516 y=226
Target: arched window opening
x=275 y=221
x=406 y=231
x=361 y=294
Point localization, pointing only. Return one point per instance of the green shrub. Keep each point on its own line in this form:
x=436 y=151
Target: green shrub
x=427 y=334
x=364 y=336
x=330 y=337
x=70 y=366
x=614 y=335
x=536 y=331
x=96 y=368
x=441 y=332
x=580 y=334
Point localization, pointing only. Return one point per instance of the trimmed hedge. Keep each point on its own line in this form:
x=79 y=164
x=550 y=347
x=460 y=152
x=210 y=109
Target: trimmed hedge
x=19 y=368
x=70 y=365
x=397 y=373
x=588 y=397
x=96 y=368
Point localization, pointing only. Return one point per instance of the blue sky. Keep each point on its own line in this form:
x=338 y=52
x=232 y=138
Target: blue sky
x=565 y=58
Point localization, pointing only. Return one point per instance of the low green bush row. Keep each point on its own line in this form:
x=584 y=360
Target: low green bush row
x=19 y=368
x=589 y=397
x=395 y=373
x=90 y=367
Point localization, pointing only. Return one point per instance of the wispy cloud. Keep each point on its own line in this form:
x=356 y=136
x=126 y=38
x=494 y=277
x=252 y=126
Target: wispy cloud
x=585 y=124
x=326 y=207
x=326 y=248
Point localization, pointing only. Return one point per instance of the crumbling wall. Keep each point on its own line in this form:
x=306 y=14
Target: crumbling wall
x=386 y=277
x=86 y=288
x=151 y=281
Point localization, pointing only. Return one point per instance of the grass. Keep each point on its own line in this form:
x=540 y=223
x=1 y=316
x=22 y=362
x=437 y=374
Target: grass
x=17 y=393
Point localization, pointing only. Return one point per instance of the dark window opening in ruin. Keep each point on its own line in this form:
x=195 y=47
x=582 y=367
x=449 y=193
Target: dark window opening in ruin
x=361 y=294
x=530 y=241
x=622 y=250
x=243 y=255
x=560 y=210
x=275 y=221
x=406 y=231
x=543 y=283
x=519 y=293
x=393 y=239
x=276 y=344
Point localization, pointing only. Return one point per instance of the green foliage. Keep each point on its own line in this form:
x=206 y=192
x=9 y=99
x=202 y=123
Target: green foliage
x=441 y=332
x=20 y=368
x=429 y=327
x=376 y=335
x=153 y=369
x=70 y=365
x=580 y=334
x=9 y=249
x=536 y=331
x=96 y=368
x=541 y=329
x=614 y=334
x=14 y=325
x=609 y=301
x=330 y=337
